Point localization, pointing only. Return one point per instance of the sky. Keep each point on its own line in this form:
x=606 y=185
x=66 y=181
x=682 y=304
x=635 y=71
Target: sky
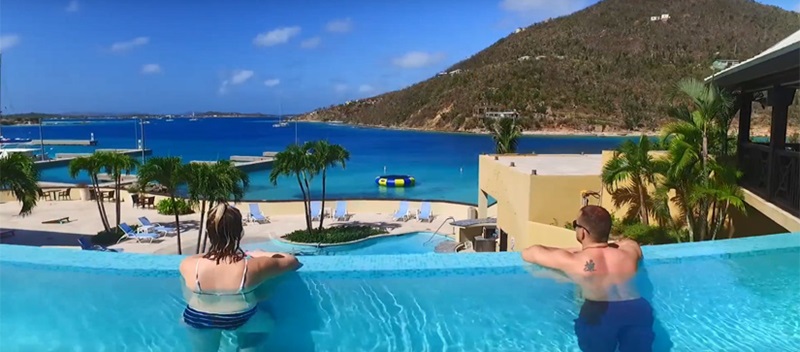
x=177 y=56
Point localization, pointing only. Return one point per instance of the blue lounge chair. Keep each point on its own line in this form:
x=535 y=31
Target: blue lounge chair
x=316 y=210
x=86 y=245
x=340 y=213
x=139 y=236
x=402 y=212
x=255 y=214
x=424 y=212
x=147 y=226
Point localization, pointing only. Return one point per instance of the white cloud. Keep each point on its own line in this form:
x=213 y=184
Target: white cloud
x=417 y=59
x=272 y=82
x=366 y=88
x=236 y=78
x=542 y=7
x=130 y=44
x=151 y=69
x=340 y=88
x=7 y=41
x=340 y=26
x=73 y=6
x=276 y=36
x=311 y=43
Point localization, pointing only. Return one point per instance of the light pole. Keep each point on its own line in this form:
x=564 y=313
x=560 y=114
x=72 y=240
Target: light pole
x=141 y=123
x=41 y=139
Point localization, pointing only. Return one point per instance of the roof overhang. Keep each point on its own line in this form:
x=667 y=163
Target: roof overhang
x=779 y=65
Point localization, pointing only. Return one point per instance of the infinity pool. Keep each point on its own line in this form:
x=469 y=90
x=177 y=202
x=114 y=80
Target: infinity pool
x=410 y=243
x=704 y=298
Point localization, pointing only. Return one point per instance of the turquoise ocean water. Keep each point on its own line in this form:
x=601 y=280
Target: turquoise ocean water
x=444 y=164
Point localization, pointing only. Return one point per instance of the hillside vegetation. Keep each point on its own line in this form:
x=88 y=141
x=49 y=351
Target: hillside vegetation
x=605 y=67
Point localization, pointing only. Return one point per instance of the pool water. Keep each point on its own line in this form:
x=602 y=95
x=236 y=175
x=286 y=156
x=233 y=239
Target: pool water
x=411 y=243
x=743 y=303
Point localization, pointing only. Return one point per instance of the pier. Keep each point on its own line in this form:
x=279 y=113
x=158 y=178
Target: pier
x=247 y=162
x=65 y=142
x=63 y=159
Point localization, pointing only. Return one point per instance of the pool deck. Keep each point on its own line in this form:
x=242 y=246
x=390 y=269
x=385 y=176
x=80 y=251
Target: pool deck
x=85 y=221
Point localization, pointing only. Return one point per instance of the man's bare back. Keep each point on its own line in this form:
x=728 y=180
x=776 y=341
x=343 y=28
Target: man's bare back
x=605 y=274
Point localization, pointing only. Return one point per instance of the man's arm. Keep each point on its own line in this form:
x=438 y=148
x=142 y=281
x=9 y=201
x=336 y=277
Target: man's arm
x=549 y=257
x=629 y=246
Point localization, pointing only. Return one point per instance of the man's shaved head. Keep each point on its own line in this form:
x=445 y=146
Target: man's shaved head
x=597 y=221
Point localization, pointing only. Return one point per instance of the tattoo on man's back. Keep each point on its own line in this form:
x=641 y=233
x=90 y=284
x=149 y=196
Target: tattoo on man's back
x=589 y=266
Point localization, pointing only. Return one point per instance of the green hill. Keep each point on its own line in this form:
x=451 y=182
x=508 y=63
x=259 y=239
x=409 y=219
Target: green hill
x=607 y=66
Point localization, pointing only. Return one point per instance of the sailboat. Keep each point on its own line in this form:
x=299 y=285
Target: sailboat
x=281 y=123
x=4 y=140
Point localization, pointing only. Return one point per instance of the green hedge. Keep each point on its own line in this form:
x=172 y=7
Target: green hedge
x=645 y=234
x=333 y=234
x=165 y=207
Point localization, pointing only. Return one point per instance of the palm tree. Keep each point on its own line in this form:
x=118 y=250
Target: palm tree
x=505 y=134
x=92 y=165
x=324 y=156
x=296 y=161
x=214 y=183
x=116 y=164
x=19 y=174
x=632 y=163
x=169 y=173
x=708 y=186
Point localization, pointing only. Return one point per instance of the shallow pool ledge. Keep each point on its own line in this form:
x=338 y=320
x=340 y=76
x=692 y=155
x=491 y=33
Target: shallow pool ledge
x=469 y=263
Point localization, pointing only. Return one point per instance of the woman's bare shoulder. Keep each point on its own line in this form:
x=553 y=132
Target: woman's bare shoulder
x=189 y=262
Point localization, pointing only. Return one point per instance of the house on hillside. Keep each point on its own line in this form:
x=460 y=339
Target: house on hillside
x=519 y=30
x=455 y=72
x=524 y=58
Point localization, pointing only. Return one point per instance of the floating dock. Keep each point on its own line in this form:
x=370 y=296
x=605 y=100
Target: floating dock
x=65 y=142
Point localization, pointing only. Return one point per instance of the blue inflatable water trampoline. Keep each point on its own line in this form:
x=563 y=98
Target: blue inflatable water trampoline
x=395 y=181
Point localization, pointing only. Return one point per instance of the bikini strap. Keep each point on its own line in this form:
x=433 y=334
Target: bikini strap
x=244 y=275
x=197 y=276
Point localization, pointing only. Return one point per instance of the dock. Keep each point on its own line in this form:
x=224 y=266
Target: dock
x=247 y=162
x=63 y=159
x=65 y=142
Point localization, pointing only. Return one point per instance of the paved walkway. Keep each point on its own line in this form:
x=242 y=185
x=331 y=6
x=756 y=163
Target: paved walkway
x=85 y=221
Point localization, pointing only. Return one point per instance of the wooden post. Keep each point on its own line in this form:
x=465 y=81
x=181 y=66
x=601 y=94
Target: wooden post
x=745 y=112
x=780 y=98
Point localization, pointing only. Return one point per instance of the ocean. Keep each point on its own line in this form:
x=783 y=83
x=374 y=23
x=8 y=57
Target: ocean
x=445 y=165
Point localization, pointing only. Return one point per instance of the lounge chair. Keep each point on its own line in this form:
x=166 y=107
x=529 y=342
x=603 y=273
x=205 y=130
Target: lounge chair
x=86 y=245
x=147 y=226
x=424 y=212
x=139 y=236
x=316 y=210
x=255 y=214
x=340 y=213
x=402 y=212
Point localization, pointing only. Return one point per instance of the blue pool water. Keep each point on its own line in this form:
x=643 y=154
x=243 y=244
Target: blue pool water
x=411 y=243
x=709 y=301
x=445 y=165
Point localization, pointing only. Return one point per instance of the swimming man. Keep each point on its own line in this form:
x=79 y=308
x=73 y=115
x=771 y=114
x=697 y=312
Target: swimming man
x=613 y=314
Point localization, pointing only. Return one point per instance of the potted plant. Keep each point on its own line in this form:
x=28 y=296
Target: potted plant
x=84 y=191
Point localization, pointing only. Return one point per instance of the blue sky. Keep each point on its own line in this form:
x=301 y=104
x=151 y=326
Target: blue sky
x=171 y=56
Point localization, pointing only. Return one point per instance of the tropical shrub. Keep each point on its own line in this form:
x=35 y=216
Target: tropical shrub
x=646 y=234
x=166 y=206
x=334 y=234
x=112 y=236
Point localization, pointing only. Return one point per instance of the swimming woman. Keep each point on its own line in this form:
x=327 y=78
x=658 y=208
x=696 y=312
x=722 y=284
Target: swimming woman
x=223 y=287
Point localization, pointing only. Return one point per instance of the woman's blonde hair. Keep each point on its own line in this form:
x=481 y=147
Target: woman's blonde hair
x=225 y=230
